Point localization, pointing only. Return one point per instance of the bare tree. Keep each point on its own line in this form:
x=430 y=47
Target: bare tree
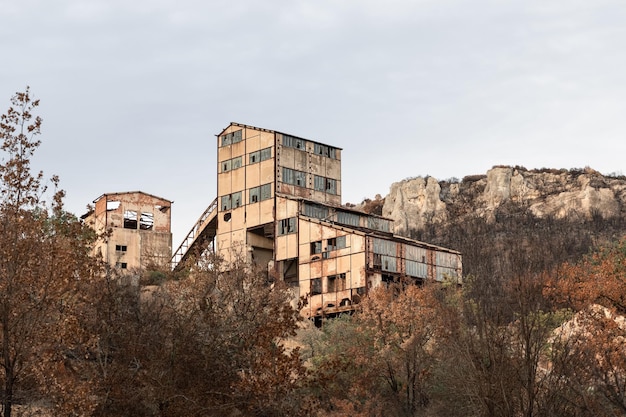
x=44 y=252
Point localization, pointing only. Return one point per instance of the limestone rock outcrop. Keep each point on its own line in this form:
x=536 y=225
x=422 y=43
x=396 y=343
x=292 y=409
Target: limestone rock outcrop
x=575 y=194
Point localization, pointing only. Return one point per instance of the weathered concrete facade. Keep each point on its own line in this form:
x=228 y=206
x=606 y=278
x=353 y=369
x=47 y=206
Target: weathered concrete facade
x=140 y=229
x=279 y=205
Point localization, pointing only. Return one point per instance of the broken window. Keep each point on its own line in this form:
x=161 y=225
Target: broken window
x=291 y=176
x=122 y=265
x=121 y=248
x=130 y=219
x=236 y=199
x=331 y=186
x=146 y=221
x=236 y=163
x=232 y=137
x=226 y=166
x=287 y=226
x=261 y=193
x=316 y=286
x=293 y=142
x=327 y=185
x=316 y=247
x=261 y=155
x=332 y=244
x=113 y=205
x=324 y=150
x=255 y=194
x=336 y=282
x=226 y=202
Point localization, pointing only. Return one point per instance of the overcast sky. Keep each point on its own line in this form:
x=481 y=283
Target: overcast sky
x=132 y=92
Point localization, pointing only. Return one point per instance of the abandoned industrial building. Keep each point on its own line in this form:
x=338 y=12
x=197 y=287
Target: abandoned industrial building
x=278 y=205
x=140 y=229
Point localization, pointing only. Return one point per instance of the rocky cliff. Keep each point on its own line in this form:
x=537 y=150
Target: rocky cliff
x=576 y=194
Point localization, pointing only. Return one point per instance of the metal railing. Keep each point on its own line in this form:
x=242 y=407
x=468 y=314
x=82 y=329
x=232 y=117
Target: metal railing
x=193 y=235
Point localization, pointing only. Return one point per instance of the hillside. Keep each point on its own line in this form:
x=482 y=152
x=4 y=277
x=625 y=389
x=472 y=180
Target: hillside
x=545 y=216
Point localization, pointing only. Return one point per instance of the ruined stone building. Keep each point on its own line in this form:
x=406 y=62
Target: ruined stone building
x=279 y=205
x=140 y=230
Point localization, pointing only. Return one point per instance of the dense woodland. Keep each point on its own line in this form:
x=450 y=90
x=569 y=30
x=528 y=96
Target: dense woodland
x=536 y=329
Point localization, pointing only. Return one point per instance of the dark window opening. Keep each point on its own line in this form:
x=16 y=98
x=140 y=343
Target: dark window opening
x=316 y=247
x=130 y=219
x=227 y=217
x=337 y=282
x=122 y=265
x=121 y=248
x=287 y=226
x=316 y=286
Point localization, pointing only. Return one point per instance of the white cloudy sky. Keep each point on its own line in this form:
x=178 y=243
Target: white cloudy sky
x=134 y=91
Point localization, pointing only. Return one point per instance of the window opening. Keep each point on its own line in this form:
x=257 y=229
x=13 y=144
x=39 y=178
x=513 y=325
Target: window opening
x=287 y=226
x=236 y=199
x=226 y=202
x=146 y=221
x=316 y=247
x=121 y=248
x=255 y=194
x=316 y=286
x=113 y=205
x=130 y=219
x=336 y=282
x=293 y=142
x=331 y=186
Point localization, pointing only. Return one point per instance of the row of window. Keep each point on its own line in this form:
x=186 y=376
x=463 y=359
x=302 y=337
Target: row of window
x=262 y=155
x=231 y=164
x=263 y=192
x=318 y=148
x=327 y=185
x=132 y=219
x=293 y=142
x=232 y=137
x=260 y=193
x=324 y=150
x=334 y=283
x=334 y=243
x=292 y=176
x=258 y=156
x=231 y=201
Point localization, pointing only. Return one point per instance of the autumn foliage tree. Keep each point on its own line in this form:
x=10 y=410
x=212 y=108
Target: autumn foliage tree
x=208 y=345
x=44 y=253
x=380 y=361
